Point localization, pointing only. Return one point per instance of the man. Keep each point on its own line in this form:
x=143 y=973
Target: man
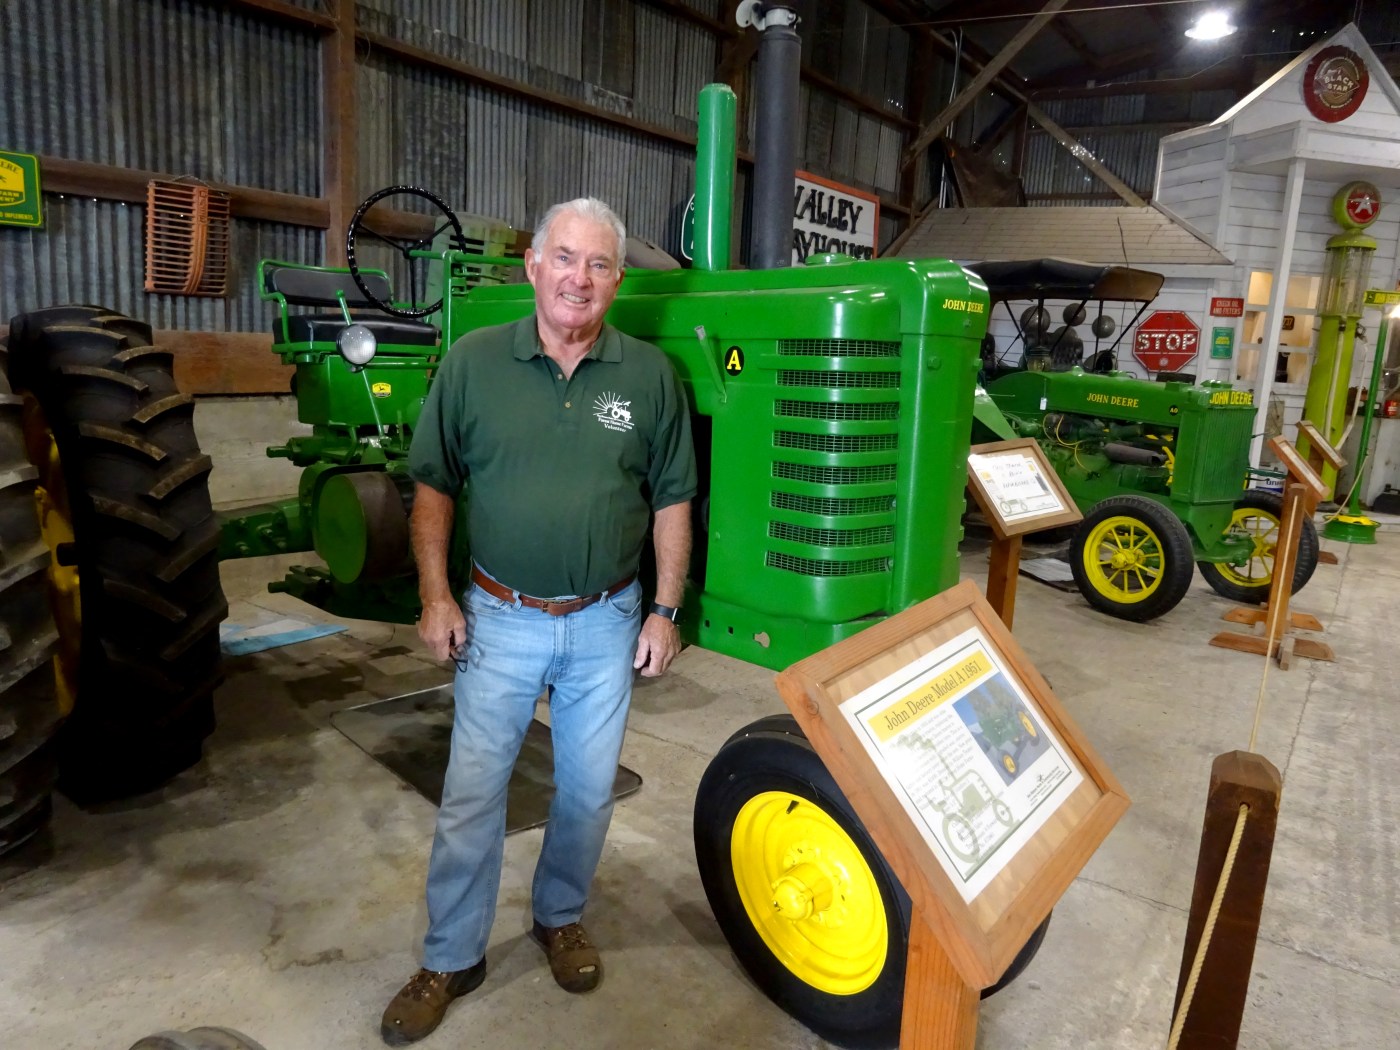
x=574 y=436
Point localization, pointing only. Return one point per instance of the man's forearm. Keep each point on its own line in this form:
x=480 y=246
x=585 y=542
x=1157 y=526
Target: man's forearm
x=671 y=534
x=431 y=531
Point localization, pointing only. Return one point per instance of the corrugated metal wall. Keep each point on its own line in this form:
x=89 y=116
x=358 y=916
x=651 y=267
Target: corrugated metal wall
x=191 y=87
x=1131 y=154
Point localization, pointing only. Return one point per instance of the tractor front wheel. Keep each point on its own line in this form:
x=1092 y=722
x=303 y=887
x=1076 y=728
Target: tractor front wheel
x=805 y=899
x=140 y=611
x=1256 y=518
x=1131 y=558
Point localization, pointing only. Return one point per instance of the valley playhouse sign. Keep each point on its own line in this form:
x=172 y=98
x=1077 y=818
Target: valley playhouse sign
x=828 y=217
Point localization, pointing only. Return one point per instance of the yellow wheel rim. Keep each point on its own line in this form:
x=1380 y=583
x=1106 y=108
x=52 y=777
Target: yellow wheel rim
x=56 y=527
x=1124 y=560
x=1027 y=724
x=1009 y=763
x=809 y=893
x=1261 y=529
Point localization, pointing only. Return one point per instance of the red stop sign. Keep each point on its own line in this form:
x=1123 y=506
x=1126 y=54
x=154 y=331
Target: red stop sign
x=1166 y=342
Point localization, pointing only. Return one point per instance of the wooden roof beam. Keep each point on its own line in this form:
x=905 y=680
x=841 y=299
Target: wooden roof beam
x=981 y=80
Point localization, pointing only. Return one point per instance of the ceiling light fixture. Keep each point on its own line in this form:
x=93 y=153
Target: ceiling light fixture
x=1211 y=26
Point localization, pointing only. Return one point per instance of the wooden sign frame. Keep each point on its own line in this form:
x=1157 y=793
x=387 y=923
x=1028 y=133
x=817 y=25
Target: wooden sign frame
x=1319 y=444
x=1019 y=447
x=1299 y=468
x=982 y=933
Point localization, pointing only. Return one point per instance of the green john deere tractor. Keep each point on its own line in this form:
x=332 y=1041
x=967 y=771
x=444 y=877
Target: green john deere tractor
x=1158 y=469
x=832 y=409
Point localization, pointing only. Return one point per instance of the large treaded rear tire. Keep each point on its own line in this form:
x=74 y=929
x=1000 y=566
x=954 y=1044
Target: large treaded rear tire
x=29 y=711
x=146 y=542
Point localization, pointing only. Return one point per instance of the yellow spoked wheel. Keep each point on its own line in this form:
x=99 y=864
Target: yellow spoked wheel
x=806 y=901
x=56 y=528
x=1028 y=725
x=1132 y=558
x=809 y=893
x=1255 y=522
x=1009 y=764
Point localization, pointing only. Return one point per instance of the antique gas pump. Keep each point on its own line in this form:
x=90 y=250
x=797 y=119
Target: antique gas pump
x=1349 y=255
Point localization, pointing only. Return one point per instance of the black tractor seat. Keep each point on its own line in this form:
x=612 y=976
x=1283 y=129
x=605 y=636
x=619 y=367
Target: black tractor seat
x=298 y=285
x=324 y=328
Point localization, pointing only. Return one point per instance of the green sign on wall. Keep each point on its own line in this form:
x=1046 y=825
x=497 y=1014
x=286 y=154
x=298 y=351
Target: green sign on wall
x=20 y=204
x=1222 y=342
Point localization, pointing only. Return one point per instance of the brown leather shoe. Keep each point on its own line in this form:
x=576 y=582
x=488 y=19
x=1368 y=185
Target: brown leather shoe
x=574 y=961
x=423 y=1001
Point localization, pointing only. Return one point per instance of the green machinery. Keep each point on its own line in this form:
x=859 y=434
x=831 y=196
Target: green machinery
x=1158 y=468
x=832 y=412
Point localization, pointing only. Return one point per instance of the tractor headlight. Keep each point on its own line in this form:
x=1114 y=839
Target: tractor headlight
x=357 y=345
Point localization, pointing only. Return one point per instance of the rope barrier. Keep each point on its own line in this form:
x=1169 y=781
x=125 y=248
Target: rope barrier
x=1179 y=1021
x=1282 y=556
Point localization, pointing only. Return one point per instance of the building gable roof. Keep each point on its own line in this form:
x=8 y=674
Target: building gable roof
x=1125 y=236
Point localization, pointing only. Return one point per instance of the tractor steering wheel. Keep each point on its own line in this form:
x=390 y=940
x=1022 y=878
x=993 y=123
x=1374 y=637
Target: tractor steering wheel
x=403 y=245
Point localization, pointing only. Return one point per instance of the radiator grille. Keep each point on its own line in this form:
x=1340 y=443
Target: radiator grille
x=837 y=411
x=840 y=380
x=836 y=444
x=781 y=530
x=1215 y=474
x=832 y=506
x=871 y=475
x=836 y=348
x=812 y=567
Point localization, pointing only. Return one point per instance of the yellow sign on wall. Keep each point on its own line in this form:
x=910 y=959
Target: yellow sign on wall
x=20 y=202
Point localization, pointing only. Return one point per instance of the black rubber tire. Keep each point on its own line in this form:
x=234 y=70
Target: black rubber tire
x=1172 y=549
x=773 y=754
x=1271 y=505
x=199 y=1039
x=29 y=712
x=146 y=543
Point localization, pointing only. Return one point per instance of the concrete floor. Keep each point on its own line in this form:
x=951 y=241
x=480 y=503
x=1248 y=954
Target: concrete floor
x=276 y=888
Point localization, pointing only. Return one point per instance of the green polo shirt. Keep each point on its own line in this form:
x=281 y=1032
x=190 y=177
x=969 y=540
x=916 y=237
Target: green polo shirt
x=564 y=472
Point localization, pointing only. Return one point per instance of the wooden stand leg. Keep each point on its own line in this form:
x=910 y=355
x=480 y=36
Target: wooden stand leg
x=1002 y=574
x=940 y=1008
x=1274 y=617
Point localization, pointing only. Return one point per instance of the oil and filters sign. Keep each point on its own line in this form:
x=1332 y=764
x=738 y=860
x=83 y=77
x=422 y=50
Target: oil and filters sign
x=19 y=190
x=830 y=218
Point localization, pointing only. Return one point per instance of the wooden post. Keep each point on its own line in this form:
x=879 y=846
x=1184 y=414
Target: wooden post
x=1274 y=616
x=1320 y=454
x=1237 y=779
x=1002 y=573
x=940 y=1008
x=338 y=127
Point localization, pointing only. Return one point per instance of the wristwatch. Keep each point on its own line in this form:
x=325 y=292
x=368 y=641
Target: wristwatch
x=674 y=615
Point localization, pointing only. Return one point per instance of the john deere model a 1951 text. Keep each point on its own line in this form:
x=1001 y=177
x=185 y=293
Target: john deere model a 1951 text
x=1158 y=468
x=832 y=408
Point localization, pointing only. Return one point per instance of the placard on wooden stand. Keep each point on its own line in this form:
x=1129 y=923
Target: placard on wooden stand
x=978 y=788
x=1018 y=492
x=1301 y=493
x=1320 y=451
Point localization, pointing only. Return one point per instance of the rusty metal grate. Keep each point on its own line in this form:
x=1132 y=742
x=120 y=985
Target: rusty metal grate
x=187 y=239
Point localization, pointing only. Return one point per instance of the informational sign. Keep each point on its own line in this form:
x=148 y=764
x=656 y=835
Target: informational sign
x=1377 y=297
x=20 y=201
x=829 y=217
x=1222 y=343
x=1335 y=83
x=1016 y=486
x=1166 y=342
x=974 y=768
x=970 y=776
x=1226 y=307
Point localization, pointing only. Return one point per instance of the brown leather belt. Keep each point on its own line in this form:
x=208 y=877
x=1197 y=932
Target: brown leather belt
x=555 y=607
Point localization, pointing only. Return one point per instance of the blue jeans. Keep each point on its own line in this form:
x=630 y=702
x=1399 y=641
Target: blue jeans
x=513 y=654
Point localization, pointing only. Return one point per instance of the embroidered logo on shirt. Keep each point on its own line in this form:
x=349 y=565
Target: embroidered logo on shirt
x=613 y=412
